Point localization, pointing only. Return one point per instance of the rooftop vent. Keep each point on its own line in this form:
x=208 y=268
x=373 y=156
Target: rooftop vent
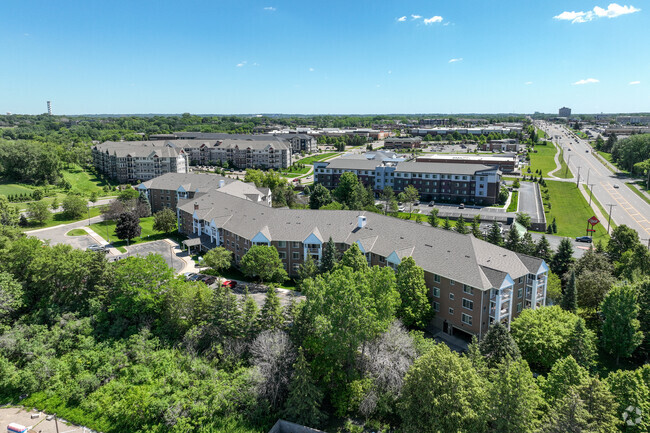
x=361 y=221
x=222 y=183
x=196 y=206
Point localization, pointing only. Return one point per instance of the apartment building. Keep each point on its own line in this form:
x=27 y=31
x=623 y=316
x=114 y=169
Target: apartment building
x=129 y=162
x=457 y=183
x=505 y=163
x=471 y=283
x=165 y=191
x=296 y=141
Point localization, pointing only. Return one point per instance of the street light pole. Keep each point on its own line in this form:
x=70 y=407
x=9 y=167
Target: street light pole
x=588 y=173
x=610 y=216
x=591 y=192
x=578 y=181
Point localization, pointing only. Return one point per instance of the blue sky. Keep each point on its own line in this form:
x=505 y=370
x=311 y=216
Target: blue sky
x=354 y=56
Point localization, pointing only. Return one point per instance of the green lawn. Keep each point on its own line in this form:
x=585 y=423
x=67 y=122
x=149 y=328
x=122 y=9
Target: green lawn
x=319 y=157
x=540 y=133
x=83 y=181
x=77 y=232
x=636 y=188
x=512 y=207
x=571 y=210
x=563 y=172
x=59 y=218
x=600 y=207
x=543 y=159
x=13 y=189
x=106 y=229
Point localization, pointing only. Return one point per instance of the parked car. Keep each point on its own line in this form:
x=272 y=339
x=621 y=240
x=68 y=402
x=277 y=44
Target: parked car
x=96 y=248
x=189 y=275
x=462 y=206
x=229 y=283
x=584 y=239
x=431 y=203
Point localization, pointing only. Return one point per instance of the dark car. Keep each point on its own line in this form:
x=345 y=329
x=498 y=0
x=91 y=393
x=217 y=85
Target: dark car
x=229 y=283
x=584 y=239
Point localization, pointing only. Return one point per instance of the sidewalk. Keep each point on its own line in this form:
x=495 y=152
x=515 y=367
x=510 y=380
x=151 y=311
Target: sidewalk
x=101 y=241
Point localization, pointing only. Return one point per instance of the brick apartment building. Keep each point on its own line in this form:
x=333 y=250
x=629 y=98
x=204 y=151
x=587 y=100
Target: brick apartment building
x=165 y=191
x=296 y=141
x=471 y=283
x=457 y=183
x=129 y=162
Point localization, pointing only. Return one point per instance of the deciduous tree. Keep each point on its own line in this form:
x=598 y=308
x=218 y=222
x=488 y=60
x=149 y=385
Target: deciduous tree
x=164 y=221
x=621 y=334
x=263 y=262
x=218 y=259
x=415 y=308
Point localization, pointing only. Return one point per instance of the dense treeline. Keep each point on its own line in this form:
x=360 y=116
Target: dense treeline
x=633 y=153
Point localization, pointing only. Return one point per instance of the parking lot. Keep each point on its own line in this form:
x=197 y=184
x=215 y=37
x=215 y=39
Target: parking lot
x=41 y=424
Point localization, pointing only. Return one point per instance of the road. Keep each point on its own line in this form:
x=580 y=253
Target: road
x=628 y=209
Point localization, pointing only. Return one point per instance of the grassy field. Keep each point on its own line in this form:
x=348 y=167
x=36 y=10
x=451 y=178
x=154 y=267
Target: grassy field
x=83 y=181
x=600 y=207
x=77 y=232
x=540 y=133
x=58 y=219
x=563 y=172
x=514 y=202
x=319 y=157
x=636 y=188
x=13 y=189
x=543 y=159
x=570 y=209
x=106 y=229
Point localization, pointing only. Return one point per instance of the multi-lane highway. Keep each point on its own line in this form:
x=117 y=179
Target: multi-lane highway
x=628 y=209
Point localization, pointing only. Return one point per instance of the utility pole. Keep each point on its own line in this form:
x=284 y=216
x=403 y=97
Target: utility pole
x=567 y=165
x=591 y=192
x=588 y=173
x=578 y=181
x=610 y=216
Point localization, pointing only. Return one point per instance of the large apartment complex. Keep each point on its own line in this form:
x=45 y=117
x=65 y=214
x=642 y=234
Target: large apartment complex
x=471 y=283
x=132 y=161
x=460 y=183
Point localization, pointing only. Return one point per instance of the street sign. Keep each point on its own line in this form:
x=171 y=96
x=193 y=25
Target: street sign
x=593 y=221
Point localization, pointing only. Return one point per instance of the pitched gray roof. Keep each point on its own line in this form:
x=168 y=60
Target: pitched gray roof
x=189 y=181
x=139 y=148
x=462 y=258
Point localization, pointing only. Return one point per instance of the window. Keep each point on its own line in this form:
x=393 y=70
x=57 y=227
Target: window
x=519 y=307
x=282 y=244
x=436 y=306
x=436 y=292
x=468 y=304
x=381 y=259
x=295 y=244
x=282 y=255
x=451 y=311
x=520 y=292
x=521 y=280
x=466 y=319
x=451 y=296
x=436 y=278
x=452 y=282
x=468 y=289
x=296 y=256
x=296 y=267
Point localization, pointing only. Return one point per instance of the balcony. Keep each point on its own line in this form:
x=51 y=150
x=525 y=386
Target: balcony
x=313 y=250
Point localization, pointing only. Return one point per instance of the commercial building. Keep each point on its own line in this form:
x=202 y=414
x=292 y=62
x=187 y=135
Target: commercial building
x=564 y=112
x=467 y=131
x=132 y=161
x=505 y=163
x=165 y=191
x=471 y=283
x=403 y=142
x=505 y=145
x=457 y=183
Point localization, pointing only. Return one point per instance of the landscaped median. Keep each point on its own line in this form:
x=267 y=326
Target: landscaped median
x=570 y=209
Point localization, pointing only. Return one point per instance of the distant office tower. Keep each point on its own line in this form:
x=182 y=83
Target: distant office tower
x=565 y=112
x=49 y=107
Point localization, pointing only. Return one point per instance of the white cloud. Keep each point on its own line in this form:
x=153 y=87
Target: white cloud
x=390 y=72
x=434 y=19
x=587 y=81
x=613 y=10
x=240 y=64
x=401 y=19
x=311 y=69
x=416 y=17
x=460 y=59
x=270 y=8
x=634 y=83
x=528 y=83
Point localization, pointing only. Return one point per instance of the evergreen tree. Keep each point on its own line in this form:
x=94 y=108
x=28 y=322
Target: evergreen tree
x=599 y=403
x=250 y=316
x=581 y=345
x=415 y=307
x=568 y=416
x=562 y=258
x=303 y=402
x=494 y=235
x=512 y=239
x=643 y=301
x=328 y=259
x=543 y=250
x=271 y=315
x=498 y=345
x=621 y=334
x=127 y=226
x=446 y=224
x=554 y=226
x=476 y=227
x=227 y=316
x=433 y=217
x=570 y=296
x=460 y=226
